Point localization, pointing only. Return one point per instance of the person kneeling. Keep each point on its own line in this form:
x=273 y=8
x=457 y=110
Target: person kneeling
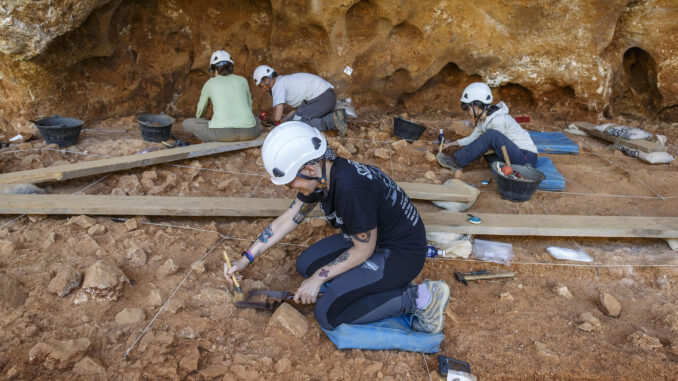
x=232 y=118
x=368 y=267
x=311 y=96
x=494 y=128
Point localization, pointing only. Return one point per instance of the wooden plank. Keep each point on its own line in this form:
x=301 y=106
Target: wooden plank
x=95 y=167
x=639 y=144
x=142 y=205
x=553 y=225
x=456 y=190
x=493 y=224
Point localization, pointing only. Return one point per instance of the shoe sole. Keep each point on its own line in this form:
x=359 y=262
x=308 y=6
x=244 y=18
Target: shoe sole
x=340 y=123
x=445 y=289
x=446 y=161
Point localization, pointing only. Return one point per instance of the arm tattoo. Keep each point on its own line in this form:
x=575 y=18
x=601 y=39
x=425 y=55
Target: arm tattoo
x=266 y=234
x=362 y=237
x=325 y=272
x=341 y=258
x=294 y=202
x=304 y=210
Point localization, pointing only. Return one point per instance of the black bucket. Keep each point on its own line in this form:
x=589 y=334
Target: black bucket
x=517 y=189
x=404 y=129
x=58 y=130
x=155 y=127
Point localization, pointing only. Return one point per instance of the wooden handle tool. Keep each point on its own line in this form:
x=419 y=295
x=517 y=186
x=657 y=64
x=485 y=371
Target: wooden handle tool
x=237 y=294
x=506 y=156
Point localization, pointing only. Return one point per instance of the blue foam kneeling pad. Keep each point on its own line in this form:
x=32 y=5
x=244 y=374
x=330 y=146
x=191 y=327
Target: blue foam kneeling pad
x=389 y=333
x=553 y=142
x=554 y=181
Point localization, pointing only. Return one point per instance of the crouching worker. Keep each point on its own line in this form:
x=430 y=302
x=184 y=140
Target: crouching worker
x=368 y=267
x=232 y=118
x=311 y=96
x=494 y=128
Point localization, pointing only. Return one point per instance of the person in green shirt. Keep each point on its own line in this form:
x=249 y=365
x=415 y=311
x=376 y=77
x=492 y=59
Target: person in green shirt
x=232 y=118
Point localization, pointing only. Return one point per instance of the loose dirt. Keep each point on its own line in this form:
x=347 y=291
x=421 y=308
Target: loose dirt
x=529 y=333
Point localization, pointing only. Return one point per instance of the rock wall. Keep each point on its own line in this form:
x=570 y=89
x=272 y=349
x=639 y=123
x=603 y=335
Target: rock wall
x=100 y=58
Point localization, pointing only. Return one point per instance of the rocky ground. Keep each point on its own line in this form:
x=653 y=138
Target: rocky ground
x=76 y=293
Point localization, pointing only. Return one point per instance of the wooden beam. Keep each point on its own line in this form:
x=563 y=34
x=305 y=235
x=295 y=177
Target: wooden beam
x=493 y=224
x=455 y=191
x=553 y=225
x=639 y=144
x=95 y=167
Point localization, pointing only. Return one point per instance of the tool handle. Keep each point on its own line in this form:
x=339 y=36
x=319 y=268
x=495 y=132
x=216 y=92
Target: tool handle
x=506 y=156
x=489 y=276
x=442 y=142
x=291 y=297
x=228 y=262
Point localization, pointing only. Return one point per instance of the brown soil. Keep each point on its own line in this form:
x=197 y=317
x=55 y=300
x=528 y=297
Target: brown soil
x=532 y=336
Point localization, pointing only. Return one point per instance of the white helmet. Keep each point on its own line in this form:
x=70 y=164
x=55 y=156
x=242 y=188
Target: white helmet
x=288 y=147
x=261 y=72
x=220 y=56
x=477 y=91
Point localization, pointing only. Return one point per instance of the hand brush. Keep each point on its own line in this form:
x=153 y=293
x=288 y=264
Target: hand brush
x=237 y=291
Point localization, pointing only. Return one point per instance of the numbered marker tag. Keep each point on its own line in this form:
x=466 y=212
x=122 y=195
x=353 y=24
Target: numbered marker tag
x=348 y=70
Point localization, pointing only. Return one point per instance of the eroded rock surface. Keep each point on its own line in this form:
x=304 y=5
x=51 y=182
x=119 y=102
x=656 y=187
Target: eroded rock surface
x=611 y=56
x=104 y=281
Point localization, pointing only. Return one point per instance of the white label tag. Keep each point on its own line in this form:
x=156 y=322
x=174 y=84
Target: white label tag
x=348 y=70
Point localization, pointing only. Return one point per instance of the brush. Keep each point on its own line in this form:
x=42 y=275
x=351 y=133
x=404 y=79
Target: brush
x=237 y=291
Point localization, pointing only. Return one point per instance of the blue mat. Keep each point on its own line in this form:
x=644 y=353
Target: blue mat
x=389 y=333
x=553 y=142
x=554 y=181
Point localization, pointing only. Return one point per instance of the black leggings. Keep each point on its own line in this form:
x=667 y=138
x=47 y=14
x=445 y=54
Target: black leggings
x=376 y=289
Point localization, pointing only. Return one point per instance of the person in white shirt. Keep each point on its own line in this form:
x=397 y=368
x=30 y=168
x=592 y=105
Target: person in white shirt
x=311 y=96
x=494 y=128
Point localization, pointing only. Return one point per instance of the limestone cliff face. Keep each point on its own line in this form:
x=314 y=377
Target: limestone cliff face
x=100 y=58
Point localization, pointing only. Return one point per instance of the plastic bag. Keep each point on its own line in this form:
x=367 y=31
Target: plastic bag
x=651 y=157
x=497 y=252
x=454 y=245
x=564 y=254
x=625 y=132
x=348 y=106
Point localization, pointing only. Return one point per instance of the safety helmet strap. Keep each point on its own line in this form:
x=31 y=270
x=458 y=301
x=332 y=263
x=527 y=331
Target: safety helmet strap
x=322 y=179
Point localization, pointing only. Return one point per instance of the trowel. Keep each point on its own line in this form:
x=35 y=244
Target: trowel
x=281 y=297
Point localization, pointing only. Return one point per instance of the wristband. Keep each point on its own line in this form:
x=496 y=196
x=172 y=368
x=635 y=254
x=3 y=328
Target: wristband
x=249 y=256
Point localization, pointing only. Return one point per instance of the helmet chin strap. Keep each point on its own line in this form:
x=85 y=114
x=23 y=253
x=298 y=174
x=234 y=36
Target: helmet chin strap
x=475 y=116
x=322 y=180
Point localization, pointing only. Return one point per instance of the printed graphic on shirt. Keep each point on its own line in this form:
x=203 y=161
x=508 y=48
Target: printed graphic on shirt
x=393 y=191
x=333 y=219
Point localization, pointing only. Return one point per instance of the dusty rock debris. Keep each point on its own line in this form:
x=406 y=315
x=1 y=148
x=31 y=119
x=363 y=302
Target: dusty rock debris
x=107 y=61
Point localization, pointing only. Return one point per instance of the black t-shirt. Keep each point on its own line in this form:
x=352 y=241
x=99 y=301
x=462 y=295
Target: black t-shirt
x=362 y=198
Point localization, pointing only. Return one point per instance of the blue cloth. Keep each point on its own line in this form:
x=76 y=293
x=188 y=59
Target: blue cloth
x=553 y=142
x=389 y=333
x=554 y=181
x=493 y=139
